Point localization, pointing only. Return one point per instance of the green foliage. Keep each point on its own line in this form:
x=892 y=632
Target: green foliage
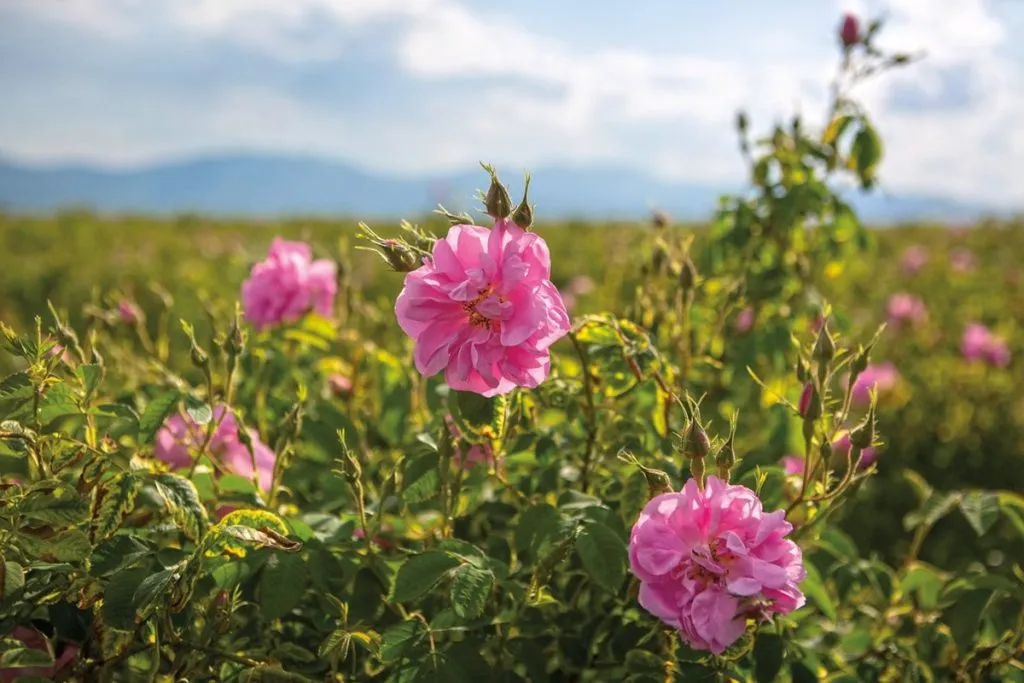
x=368 y=553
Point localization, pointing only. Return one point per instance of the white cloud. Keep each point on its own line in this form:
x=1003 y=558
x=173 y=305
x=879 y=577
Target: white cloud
x=540 y=99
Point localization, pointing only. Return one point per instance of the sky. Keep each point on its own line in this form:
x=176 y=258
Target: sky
x=408 y=87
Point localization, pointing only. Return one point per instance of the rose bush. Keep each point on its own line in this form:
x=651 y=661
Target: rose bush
x=450 y=479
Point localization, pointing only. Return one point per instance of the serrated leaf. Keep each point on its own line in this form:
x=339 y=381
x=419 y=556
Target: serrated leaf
x=156 y=412
x=421 y=478
x=16 y=386
x=603 y=555
x=14 y=655
x=114 y=499
x=283 y=582
x=537 y=524
x=242 y=529
x=935 y=508
x=182 y=501
x=70 y=545
x=200 y=412
x=117 y=552
x=471 y=587
x=397 y=640
x=336 y=644
x=58 y=506
x=419 y=574
x=90 y=375
x=118 y=610
x=12 y=578
x=981 y=509
x=154 y=590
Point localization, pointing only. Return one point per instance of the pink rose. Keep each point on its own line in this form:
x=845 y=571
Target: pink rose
x=905 y=308
x=961 y=260
x=484 y=310
x=35 y=640
x=744 y=320
x=883 y=377
x=129 y=312
x=709 y=560
x=979 y=343
x=792 y=464
x=913 y=259
x=288 y=285
x=180 y=438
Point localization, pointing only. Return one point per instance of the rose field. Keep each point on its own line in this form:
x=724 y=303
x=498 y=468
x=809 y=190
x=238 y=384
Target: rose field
x=777 y=445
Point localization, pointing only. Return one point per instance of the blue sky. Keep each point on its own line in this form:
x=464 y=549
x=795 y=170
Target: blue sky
x=413 y=86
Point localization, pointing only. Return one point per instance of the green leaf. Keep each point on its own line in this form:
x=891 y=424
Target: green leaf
x=282 y=584
x=90 y=375
x=767 y=657
x=14 y=655
x=925 y=581
x=198 y=410
x=156 y=412
x=182 y=500
x=477 y=415
x=603 y=554
x=399 y=639
x=113 y=501
x=12 y=578
x=58 y=506
x=336 y=644
x=116 y=553
x=814 y=588
x=16 y=386
x=935 y=508
x=153 y=591
x=801 y=673
x=118 y=611
x=419 y=574
x=471 y=587
x=981 y=509
x=964 y=615
x=536 y=524
x=57 y=402
x=421 y=478
x=70 y=545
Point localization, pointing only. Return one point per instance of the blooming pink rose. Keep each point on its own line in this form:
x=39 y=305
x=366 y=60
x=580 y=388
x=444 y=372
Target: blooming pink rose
x=883 y=377
x=129 y=312
x=180 y=437
x=484 y=310
x=905 y=308
x=913 y=259
x=979 y=343
x=744 y=320
x=709 y=560
x=842 y=445
x=288 y=285
x=961 y=260
x=35 y=640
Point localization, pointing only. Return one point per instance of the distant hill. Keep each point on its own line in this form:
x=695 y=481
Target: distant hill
x=272 y=185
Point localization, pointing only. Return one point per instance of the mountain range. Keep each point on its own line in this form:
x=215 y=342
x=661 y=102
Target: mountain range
x=267 y=185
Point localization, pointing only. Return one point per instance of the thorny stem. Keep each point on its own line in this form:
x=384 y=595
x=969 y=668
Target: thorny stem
x=591 y=412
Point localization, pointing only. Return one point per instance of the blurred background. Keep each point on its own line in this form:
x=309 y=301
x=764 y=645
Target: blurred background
x=167 y=141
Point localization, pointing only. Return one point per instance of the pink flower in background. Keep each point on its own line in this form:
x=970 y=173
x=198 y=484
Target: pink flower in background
x=913 y=259
x=842 y=445
x=744 y=320
x=849 y=31
x=883 y=377
x=484 y=310
x=33 y=639
x=962 y=260
x=129 y=312
x=792 y=464
x=568 y=300
x=180 y=437
x=581 y=285
x=288 y=285
x=709 y=560
x=905 y=308
x=477 y=453
x=339 y=384
x=979 y=343
x=59 y=350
